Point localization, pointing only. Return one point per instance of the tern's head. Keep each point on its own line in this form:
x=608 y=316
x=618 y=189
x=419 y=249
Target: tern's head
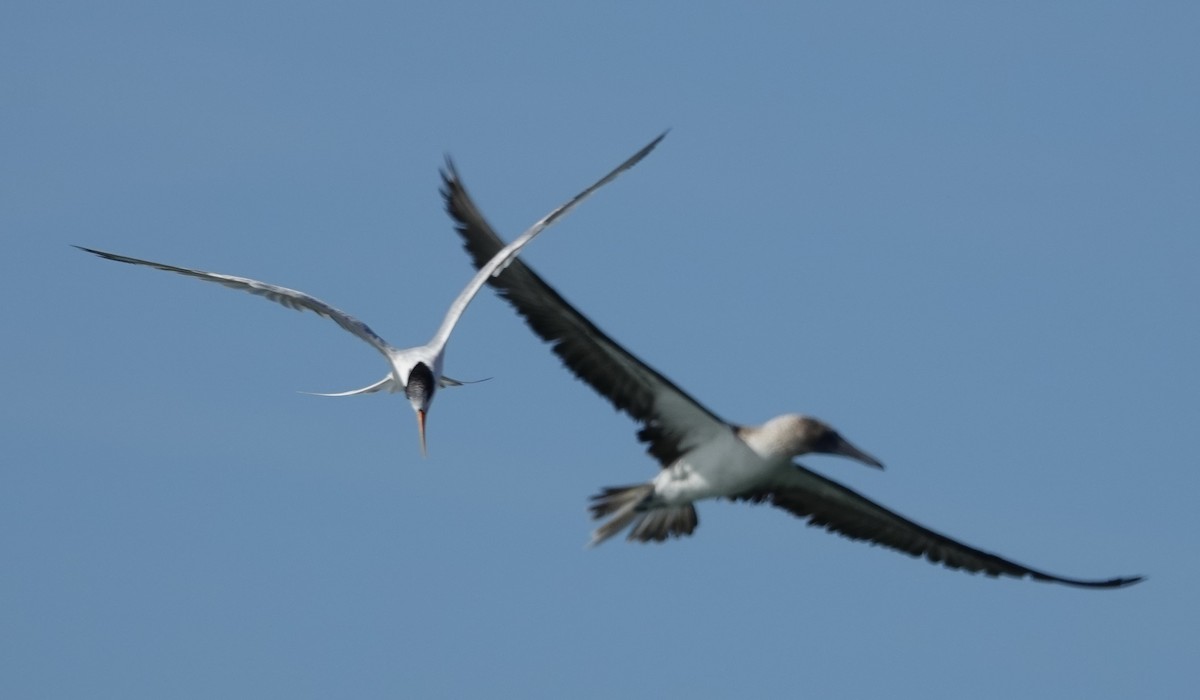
x=419 y=389
x=798 y=435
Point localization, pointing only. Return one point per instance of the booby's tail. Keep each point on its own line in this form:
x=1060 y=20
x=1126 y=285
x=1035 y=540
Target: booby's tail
x=630 y=504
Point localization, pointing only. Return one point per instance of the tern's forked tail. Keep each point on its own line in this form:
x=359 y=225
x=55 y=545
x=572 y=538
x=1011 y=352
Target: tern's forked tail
x=386 y=383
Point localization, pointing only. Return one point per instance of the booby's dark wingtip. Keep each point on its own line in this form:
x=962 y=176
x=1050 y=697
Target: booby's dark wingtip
x=1119 y=582
x=649 y=147
x=448 y=171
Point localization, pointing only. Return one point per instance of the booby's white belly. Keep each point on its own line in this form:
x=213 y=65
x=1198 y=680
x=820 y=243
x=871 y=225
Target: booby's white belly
x=720 y=467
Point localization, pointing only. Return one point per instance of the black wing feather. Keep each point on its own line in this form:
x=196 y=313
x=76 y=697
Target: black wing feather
x=827 y=504
x=669 y=416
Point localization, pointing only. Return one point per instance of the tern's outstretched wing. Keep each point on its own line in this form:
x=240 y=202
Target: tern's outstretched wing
x=502 y=257
x=283 y=296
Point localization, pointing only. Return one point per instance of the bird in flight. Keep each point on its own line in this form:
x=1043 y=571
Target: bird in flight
x=701 y=455
x=417 y=371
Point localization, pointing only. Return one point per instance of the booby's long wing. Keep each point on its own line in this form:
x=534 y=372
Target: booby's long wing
x=830 y=505
x=673 y=421
x=283 y=296
x=504 y=256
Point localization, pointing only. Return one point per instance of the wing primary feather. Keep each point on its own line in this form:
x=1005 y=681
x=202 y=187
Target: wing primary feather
x=628 y=383
x=827 y=504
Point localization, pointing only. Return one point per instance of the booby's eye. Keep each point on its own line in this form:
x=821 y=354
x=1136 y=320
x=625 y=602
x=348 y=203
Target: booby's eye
x=827 y=440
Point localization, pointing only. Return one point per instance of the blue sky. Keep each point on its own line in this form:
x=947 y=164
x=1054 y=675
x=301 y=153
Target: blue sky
x=965 y=236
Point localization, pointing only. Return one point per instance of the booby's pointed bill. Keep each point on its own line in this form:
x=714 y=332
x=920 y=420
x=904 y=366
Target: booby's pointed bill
x=675 y=424
x=843 y=447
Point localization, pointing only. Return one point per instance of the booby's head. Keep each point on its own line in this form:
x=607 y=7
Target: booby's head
x=419 y=389
x=797 y=435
